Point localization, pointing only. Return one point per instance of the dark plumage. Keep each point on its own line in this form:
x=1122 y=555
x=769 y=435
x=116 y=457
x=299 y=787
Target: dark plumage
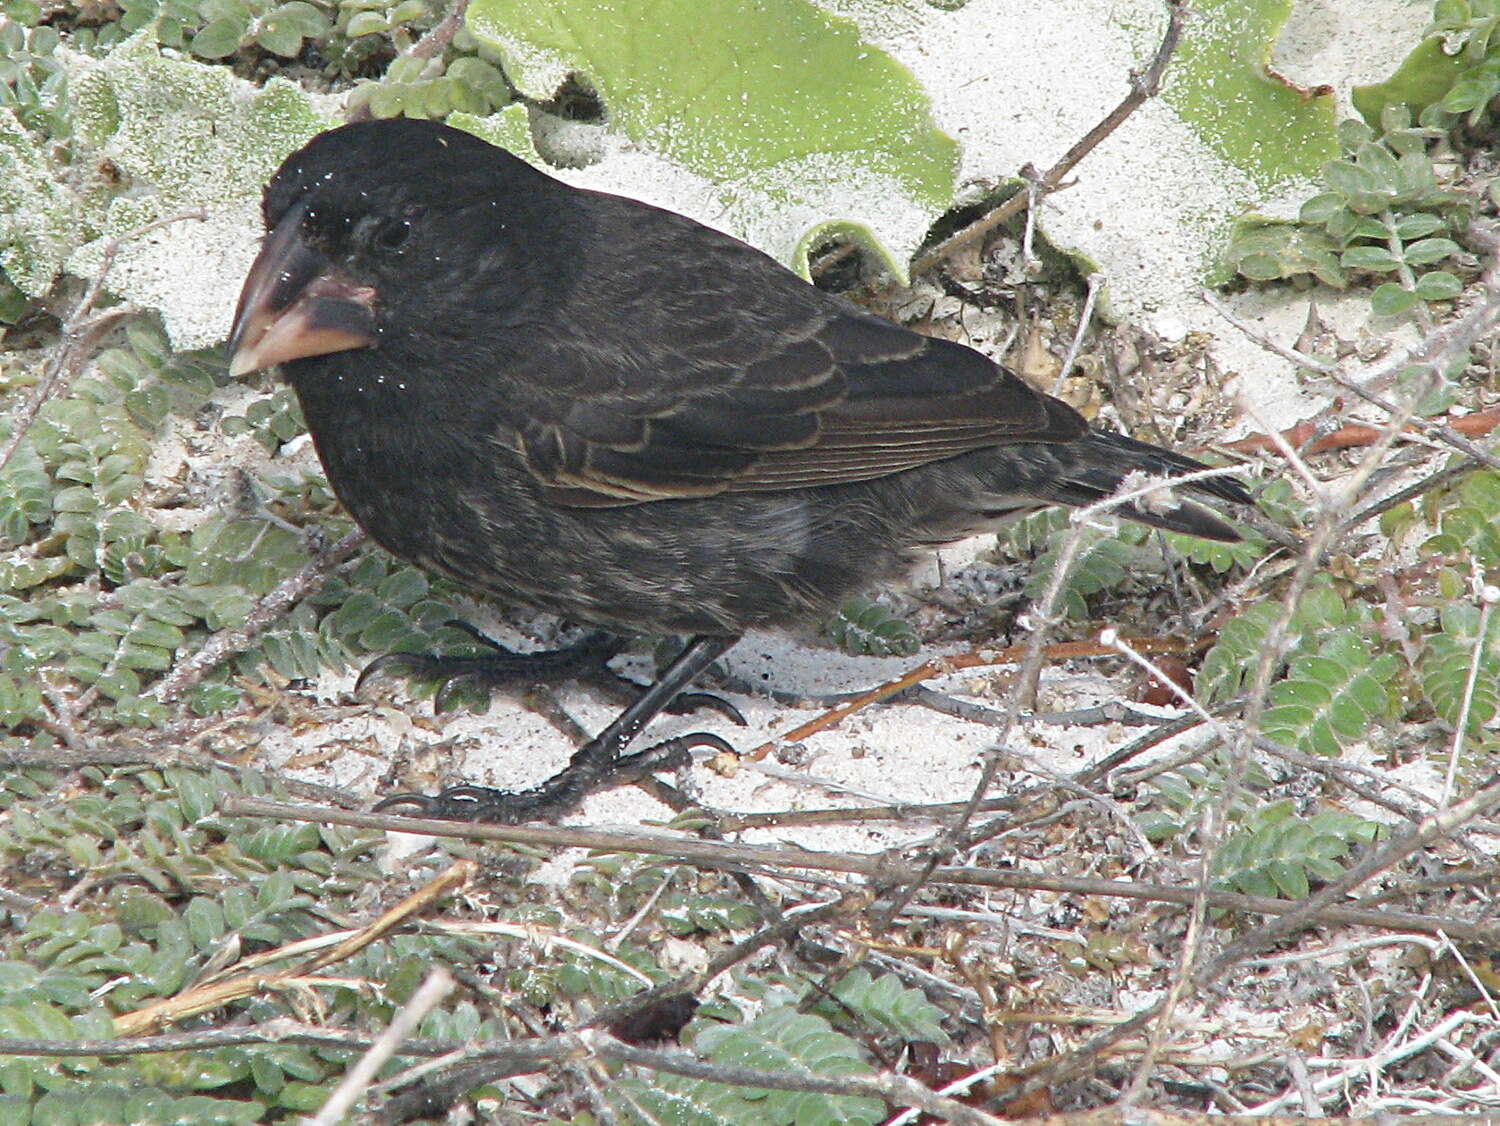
x=606 y=410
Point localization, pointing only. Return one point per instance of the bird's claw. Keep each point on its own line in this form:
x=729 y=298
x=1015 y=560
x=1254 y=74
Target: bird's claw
x=556 y=796
x=400 y=664
x=587 y=660
x=456 y=803
x=689 y=702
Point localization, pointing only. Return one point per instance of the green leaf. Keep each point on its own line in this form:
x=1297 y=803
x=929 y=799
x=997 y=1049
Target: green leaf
x=366 y=23
x=890 y=1007
x=1365 y=227
x=1472 y=92
x=220 y=38
x=768 y=98
x=1232 y=661
x=1380 y=164
x=1429 y=250
x=1419 y=224
x=1422 y=79
x=1372 y=258
x=1447 y=658
x=1219 y=83
x=1439 y=285
x=1389 y=299
x=868 y=629
x=1101 y=563
x=1330 y=698
x=280 y=35
x=1321 y=207
x=1349 y=180
x=1221 y=557
x=303 y=16
x=1268 y=250
x=1275 y=852
x=1417 y=178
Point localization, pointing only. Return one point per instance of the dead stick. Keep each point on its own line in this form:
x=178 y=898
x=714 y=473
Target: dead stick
x=886 y=868
x=975 y=658
x=1143 y=85
x=215 y=994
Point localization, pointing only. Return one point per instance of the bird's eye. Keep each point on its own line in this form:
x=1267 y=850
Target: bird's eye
x=393 y=236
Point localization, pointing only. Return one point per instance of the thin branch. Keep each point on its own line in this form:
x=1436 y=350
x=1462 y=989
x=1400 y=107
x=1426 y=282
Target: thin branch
x=1411 y=492
x=882 y=867
x=436 y=40
x=983 y=657
x=1143 y=86
x=1350 y=1069
x=442 y=1089
x=1488 y=596
x=1437 y=349
x=437 y=985
x=531 y=1055
x=1085 y=318
x=165 y=748
x=1439 y=826
x=233 y=986
x=897 y=1089
x=269 y=610
x=1030 y=670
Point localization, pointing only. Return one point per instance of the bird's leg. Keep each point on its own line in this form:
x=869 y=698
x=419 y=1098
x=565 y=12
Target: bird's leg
x=586 y=661
x=594 y=765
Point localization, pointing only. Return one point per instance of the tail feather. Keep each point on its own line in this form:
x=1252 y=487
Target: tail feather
x=1095 y=467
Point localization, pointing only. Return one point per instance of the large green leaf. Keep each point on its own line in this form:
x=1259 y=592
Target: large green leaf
x=1423 y=77
x=1255 y=120
x=779 y=102
x=38 y=216
x=185 y=135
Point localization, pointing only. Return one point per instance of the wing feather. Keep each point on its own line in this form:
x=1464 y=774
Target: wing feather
x=767 y=384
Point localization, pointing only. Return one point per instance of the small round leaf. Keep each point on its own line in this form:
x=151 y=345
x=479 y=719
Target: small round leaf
x=1390 y=299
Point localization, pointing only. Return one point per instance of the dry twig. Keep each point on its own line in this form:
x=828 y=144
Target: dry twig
x=885 y=868
x=1143 y=86
x=233 y=986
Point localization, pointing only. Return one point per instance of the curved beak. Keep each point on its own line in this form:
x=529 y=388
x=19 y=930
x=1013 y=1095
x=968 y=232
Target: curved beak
x=295 y=303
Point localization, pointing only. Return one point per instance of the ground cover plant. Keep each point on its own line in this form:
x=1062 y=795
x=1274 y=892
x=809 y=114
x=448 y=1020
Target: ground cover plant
x=1231 y=843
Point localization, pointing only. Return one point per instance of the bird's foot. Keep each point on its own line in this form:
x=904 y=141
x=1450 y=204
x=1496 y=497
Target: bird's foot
x=595 y=766
x=586 y=661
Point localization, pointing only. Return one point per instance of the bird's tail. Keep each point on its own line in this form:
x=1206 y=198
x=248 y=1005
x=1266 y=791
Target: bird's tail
x=1096 y=467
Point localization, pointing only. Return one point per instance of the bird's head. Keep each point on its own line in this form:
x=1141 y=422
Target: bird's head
x=377 y=224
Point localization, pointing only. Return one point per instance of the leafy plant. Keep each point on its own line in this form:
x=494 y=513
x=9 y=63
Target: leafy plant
x=216 y=29
x=1464 y=651
x=1102 y=563
x=868 y=629
x=1218 y=556
x=1228 y=667
x=1179 y=796
x=1450 y=74
x=1277 y=853
x=176 y=890
x=416 y=87
x=780 y=1039
x=884 y=1004
x=32 y=80
x=1383 y=214
x=1333 y=695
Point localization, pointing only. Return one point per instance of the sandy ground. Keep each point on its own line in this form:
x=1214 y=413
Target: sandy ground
x=892 y=753
x=1120 y=213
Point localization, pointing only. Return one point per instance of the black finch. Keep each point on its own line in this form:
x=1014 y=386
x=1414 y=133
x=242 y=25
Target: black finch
x=595 y=407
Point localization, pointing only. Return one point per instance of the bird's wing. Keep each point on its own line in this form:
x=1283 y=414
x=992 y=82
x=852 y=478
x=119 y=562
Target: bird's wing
x=765 y=384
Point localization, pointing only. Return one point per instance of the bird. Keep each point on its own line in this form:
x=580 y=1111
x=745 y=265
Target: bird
x=588 y=405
